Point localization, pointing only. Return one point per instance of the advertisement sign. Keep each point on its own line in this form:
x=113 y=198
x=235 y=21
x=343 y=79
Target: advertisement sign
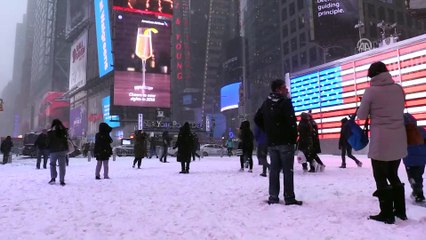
x=77 y=13
x=78 y=62
x=229 y=96
x=335 y=18
x=145 y=6
x=114 y=120
x=103 y=36
x=78 y=122
x=142 y=61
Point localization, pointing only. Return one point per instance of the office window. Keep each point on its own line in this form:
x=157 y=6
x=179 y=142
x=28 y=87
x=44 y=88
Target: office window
x=371 y=10
x=391 y=16
x=400 y=18
x=284 y=14
x=293 y=26
x=300 y=4
x=294 y=62
x=285 y=31
x=313 y=54
x=292 y=9
x=302 y=40
x=293 y=44
x=301 y=21
x=373 y=31
x=286 y=49
x=303 y=59
x=381 y=12
x=283 y=1
x=409 y=21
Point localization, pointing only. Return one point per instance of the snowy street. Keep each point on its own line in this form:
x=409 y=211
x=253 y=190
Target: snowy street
x=214 y=201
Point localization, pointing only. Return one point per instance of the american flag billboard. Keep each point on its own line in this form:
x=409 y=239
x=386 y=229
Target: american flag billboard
x=331 y=91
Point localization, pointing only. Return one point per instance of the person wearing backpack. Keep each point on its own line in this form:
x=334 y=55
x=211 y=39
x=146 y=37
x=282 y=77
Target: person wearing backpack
x=383 y=102
x=415 y=161
x=344 y=146
x=41 y=145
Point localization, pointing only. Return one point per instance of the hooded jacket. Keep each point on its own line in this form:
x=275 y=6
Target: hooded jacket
x=277 y=119
x=384 y=102
x=103 y=142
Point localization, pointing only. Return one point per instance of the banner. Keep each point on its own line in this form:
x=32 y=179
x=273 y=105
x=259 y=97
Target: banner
x=78 y=62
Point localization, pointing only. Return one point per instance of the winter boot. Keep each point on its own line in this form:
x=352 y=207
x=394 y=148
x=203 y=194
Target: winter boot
x=386 y=206
x=399 y=202
x=358 y=163
x=343 y=165
x=182 y=167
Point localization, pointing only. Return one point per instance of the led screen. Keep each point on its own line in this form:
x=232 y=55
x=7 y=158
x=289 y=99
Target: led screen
x=142 y=61
x=103 y=36
x=333 y=93
x=336 y=19
x=229 y=96
x=112 y=120
x=78 y=121
x=145 y=6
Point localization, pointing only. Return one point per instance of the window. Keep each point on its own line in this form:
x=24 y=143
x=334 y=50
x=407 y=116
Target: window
x=313 y=54
x=293 y=44
x=302 y=40
x=301 y=21
x=400 y=18
x=303 y=59
x=381 y=12
x=371 y=10
x=294 y=62
x=373 y=31
x=286 y=49
x=284 y=14
x=285 y=31
x=391 y=16
x=300 y=4
x=292 y=9
x=293 y=26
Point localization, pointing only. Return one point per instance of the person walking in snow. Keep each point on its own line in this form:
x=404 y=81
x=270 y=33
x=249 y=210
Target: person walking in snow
x=262 y=150
x=41 y=145
x=185 y=145
x=57 y=142
x=103 y=150
x=139 y=148
x=166 y=144
x=415 y=162
x=6 y=148
x=316 y=143
x=306 y=143
x=344 y=146
x=384 y=103
x=277 y=119
x=246 y=144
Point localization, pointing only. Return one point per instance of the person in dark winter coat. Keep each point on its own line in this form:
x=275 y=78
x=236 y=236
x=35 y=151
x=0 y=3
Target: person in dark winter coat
x=166 y=143
x=185 y=145
x=415 y=163
x=277 y=119
x=316 y=143
x=344 y=146
x=153 y=146
x=196 y=148
x=6 y=147
x=103 y=150
x=41 y=145
x=140 y=150
x=384 y=102
x=306 y=143
x=57 y=142
x=262 y=150
x=246 y=144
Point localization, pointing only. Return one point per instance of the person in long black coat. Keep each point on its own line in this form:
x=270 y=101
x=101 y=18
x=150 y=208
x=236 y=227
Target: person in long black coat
x=139 y=148
x=316 y=143
x=246 y=144
x=6 y=147
x=305 y=142
x=185 y=145
x=166 y=143
x=103 y=150
x=344 y=146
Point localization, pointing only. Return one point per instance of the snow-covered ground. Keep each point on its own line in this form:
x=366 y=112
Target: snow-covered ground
x=214 y=201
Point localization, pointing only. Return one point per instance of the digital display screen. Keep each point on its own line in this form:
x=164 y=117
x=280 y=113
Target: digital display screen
x=229 y=96
x=112 y=120
x=146 y=6
x=334 y=20
x=103 y=36
x=142 y=60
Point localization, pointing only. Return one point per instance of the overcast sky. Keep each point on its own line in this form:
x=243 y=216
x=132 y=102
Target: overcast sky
x=12 y=13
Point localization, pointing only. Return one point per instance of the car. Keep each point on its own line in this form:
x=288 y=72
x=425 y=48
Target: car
x=123 y=150
x=212 y=150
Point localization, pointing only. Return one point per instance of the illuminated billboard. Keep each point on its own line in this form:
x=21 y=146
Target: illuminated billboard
x=334 y=20
x=332 y=93
x=142 y=60
x=157 y=7
x=78 y=121
x=103 y=36
x=112 y=120
x=229 y=96
x=78 y=62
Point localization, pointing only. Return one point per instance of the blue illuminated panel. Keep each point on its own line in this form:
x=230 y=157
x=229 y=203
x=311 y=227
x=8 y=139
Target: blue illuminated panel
x=106 y=103
x=229 y=96
x=315 y=90
x=103 y=35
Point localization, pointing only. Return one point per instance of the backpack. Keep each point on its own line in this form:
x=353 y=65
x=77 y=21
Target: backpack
x=358 y=138
x=414 y=135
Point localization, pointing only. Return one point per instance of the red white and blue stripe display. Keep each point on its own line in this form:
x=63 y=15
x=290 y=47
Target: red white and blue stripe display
x=331 y=91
